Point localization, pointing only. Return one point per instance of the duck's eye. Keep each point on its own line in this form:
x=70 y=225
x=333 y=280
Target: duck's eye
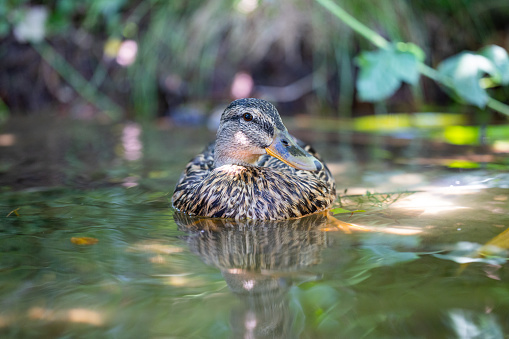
x=247 y=116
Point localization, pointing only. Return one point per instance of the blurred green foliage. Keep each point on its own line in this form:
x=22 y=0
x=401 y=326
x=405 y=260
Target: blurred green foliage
x=382 y=72
x=193 y=49
x=467 y=71
x=92 y=15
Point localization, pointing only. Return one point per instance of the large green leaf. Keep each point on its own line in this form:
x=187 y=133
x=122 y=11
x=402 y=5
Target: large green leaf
x=464 y=71
x=383 y=70
x=498 y=56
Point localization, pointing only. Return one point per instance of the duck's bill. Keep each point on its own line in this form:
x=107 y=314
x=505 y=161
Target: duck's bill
x=286 y=149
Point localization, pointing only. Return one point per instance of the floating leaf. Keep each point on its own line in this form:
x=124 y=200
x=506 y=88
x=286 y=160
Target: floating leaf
x=14 y=211
x=465 y=70
x=84 y=240
x=498 y=56
x=339 y=210
x=383 y=70
x=501 y=240
x=463 y=259
x=468 y=252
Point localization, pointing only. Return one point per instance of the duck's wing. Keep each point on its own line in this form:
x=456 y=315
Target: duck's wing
x=196 y=171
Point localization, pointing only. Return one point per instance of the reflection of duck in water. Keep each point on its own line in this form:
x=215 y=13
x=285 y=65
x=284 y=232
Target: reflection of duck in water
x=237 y=178
x=259 y=260
x=285 y=245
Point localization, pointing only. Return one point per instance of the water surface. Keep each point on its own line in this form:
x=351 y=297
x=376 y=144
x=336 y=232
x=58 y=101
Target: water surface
x=90 y=247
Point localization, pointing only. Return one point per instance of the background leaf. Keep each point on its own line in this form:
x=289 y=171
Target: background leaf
x=465 y=70
x=498 y=56
x=383 y=70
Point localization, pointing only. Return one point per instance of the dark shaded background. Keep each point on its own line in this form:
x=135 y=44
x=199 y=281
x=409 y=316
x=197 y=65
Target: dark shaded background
x=153 y=58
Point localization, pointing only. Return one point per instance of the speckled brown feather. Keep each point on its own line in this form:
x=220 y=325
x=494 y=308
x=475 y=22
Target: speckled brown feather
x=271 y=190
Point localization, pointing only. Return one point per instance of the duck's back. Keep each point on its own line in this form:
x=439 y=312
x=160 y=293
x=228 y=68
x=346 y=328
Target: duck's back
x=270 y=191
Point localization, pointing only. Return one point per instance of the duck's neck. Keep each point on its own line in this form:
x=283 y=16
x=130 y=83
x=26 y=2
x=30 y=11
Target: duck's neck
x=227 y=154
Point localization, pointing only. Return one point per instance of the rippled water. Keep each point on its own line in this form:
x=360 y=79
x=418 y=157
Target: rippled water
x=92 y=249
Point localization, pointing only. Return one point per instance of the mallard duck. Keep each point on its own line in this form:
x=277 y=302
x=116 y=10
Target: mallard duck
x=254 y=170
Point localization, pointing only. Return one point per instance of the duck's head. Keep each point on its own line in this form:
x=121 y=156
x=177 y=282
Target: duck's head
x=250 y=128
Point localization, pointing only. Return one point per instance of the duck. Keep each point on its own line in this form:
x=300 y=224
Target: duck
x=254 y=170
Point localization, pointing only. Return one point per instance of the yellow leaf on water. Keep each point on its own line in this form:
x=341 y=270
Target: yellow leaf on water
x=501 y=241
x=15 y=212
x=84 y=240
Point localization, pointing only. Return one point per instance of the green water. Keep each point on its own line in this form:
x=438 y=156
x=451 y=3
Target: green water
x=393 y=272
